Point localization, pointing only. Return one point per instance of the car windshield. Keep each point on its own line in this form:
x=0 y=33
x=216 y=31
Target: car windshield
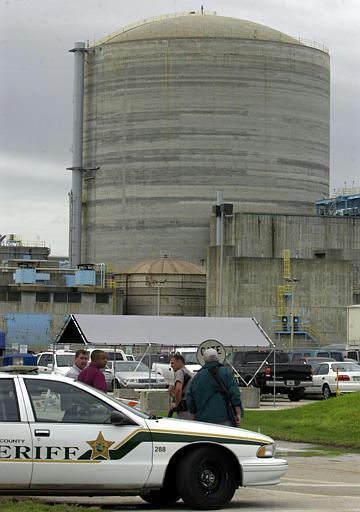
x=128 y=366
x=190 y=358
x=259 y=357
x=64 y=359
x=317 y=360
x=125 y=406
x=345 y=367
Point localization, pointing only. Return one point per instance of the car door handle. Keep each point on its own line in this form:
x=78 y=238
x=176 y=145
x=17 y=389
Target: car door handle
x=42 y=433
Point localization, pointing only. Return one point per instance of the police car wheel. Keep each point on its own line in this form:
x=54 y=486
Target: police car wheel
x=161 y=498
x=205 y=479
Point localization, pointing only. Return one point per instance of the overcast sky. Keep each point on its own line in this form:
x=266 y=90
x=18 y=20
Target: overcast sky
x=37 y=78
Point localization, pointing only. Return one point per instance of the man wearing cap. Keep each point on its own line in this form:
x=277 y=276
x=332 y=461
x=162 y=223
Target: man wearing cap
x=213 y=395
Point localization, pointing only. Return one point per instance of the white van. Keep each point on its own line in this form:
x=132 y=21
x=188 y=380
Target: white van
x=58 y=361
x=110 y=353
x=353 y=353
x=191 y=363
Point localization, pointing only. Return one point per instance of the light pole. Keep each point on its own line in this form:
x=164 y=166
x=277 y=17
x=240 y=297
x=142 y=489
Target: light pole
x=292 y=280
x=158 y=284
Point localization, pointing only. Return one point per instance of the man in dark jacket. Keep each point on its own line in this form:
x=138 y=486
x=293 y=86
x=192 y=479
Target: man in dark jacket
x=93 y=374
x=210 y=398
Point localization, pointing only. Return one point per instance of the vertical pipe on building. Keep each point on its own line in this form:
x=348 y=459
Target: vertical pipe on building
x=77 y=162
x=220 y=241
x=219 y=202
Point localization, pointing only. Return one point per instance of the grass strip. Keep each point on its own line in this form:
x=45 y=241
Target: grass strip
x=333 y=422
x=28 y=505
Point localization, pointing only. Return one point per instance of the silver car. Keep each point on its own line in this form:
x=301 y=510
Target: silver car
x=133 y=375
x=332 y=377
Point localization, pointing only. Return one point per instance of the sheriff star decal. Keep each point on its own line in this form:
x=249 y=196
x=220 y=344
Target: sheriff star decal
x=100 y=447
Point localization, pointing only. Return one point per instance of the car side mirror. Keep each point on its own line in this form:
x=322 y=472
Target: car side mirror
x=118 y=418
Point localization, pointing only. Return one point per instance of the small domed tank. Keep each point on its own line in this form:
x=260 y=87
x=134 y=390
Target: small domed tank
x=164 y=287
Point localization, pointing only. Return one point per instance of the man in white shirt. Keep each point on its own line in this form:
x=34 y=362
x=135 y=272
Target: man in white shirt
x=80 y=362
x=182 y=378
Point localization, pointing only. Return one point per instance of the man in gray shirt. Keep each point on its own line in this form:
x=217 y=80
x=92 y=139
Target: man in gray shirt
x=80 y=362
x=182 y=379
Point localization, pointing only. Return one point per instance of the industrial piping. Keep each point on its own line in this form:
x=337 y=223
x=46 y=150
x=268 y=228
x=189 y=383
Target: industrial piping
x=77 y=160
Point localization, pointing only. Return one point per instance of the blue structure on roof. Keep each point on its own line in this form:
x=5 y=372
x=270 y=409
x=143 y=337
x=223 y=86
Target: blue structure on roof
x=19 y=358
x=340 y=206
x=2 y=340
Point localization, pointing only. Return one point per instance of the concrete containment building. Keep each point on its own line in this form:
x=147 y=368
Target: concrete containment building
x=164 y=287
x=181 y=106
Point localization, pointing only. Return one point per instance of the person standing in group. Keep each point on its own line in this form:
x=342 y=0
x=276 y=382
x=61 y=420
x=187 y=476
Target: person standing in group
x=213 y=395
x=93 y=374
x=178 y=391
x=80 y=362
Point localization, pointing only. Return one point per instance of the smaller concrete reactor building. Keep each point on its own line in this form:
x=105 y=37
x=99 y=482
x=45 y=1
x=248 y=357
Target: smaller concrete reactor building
x=313 y=282
x=164 y=287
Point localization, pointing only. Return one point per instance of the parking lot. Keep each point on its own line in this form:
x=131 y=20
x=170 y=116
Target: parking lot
x=282 y=402
x=312 y=483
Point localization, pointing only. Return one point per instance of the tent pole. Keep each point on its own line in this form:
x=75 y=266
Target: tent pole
x=274 y=348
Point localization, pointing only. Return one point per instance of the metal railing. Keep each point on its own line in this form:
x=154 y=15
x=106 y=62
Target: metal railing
x=282 y=37
x=313 y=44
x=146 y=21
x=305 y=329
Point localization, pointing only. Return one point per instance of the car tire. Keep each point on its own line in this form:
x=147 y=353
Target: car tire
x=116 y=384
x=294 y=396
x=206 y=479
x=164 y=497
x=326 y=391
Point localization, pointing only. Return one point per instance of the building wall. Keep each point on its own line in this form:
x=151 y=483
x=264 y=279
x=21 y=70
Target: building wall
x=324 y=257
x=170 y=121
x=23 y=319
x=306 y=236
x=16 y=251
x=323 y=291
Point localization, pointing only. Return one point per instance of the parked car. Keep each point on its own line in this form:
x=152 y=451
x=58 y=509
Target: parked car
x=256 y=368
x=111 y=353
x=314 y=361
x=134 y=375
x=62 y=436
x=329 y=377
x=58 y=361
x=163 y=367
x=294 y=356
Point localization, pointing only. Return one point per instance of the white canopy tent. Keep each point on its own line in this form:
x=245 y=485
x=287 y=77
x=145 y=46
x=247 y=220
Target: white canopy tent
x=161 y=330
x=166 y=331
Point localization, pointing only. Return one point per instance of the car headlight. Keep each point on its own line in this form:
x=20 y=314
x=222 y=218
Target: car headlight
x=265 y=451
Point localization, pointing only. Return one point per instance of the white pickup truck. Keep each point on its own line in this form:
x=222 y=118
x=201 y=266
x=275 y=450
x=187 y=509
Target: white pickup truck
x=167 y=372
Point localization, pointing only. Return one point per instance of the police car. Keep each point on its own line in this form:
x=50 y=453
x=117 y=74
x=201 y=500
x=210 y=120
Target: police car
x=60 y=437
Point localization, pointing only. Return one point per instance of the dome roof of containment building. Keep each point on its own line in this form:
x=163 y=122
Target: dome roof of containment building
x=164 y=266
x=197 y=25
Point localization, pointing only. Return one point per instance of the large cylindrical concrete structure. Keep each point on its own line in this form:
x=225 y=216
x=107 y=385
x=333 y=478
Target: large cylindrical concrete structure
x=180 y=107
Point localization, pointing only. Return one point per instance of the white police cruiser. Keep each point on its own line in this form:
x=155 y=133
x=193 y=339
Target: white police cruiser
x=60 y=437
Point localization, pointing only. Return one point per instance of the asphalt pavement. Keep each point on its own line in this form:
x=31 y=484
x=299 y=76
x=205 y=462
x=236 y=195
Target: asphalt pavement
x=315 y=481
